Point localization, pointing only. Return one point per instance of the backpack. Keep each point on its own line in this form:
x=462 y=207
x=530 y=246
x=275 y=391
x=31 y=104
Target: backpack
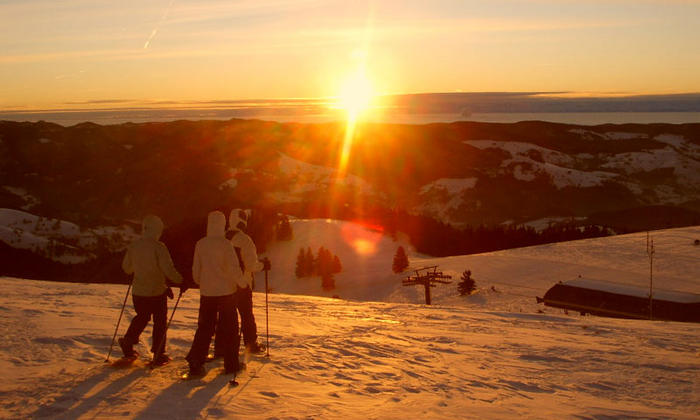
x=238 y=253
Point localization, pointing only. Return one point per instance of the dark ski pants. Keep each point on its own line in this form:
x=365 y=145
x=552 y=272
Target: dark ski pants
x=209 y=308
x=244 y=305
x=147 y=306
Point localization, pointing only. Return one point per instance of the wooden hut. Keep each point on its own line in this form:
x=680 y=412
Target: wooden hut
x=597 y=297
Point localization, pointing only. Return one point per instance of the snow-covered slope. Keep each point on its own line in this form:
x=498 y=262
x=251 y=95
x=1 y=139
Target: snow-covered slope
x=59 y=240
x=491 y=355
x=367 y=255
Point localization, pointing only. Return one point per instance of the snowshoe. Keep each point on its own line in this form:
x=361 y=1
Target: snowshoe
x=124 y=362
x=195 y=372
x=255 y=348
x=160 y=360
x=127 y=348
x=189 y=376
x=240 y=368
x=212 y=357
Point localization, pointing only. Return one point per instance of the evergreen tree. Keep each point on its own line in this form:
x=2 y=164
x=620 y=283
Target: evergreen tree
x=400 y=260
x=308 y=262
x=261 y=227
x=324 y=262
x=327 y=282
x=299 y=269
x=284 y=230
x=467 y=285
x=336 y=267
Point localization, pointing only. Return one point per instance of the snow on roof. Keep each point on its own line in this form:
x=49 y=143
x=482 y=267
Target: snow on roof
x=629 y=290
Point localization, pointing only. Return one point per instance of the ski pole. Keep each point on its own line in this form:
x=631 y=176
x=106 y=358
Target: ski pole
x=161 y=344
x=266 y=263
x=118 y=322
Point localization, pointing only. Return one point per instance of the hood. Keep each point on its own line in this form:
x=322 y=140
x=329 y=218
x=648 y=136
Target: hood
x=216 y=224
x=152 y=227
x=238 y=219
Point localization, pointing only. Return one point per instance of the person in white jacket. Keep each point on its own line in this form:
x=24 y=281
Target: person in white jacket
x=149 y=261
x=215 y=269
x=247 y=258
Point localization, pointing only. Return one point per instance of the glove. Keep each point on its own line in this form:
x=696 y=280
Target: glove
x=184 y=287
x=169 y=292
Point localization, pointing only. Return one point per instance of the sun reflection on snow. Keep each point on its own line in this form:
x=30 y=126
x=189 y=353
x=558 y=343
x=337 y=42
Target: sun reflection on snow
x=363 y=240
x=364 y=247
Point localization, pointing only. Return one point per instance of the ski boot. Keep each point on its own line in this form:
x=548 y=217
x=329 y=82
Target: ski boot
x=255 y=348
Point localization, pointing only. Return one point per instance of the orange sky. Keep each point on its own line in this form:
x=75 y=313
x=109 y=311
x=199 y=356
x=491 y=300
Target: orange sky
x=94 y=53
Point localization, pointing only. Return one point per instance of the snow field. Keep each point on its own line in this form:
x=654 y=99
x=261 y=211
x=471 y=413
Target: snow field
x=339 y=359
x=378 y=352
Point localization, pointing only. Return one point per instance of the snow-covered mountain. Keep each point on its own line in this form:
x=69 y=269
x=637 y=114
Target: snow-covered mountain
x=59 y=240
x=377 y=352
x=460 y=173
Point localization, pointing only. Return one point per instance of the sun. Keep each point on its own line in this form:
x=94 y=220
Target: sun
x=355 y=98
x=356 y=95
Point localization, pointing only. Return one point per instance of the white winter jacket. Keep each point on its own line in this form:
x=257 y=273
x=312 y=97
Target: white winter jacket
x=249 y=257
x=215 y=265
x=149 y=260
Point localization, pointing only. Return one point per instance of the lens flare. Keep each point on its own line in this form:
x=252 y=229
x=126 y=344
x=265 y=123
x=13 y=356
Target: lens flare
x=362 y=239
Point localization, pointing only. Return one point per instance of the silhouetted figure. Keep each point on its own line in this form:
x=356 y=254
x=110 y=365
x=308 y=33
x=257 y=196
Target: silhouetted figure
x=215 y=269
x=149 y=260
x=247 y=256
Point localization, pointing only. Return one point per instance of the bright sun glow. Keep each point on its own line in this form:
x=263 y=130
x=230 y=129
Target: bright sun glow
x=355 y=98
x=356 y=94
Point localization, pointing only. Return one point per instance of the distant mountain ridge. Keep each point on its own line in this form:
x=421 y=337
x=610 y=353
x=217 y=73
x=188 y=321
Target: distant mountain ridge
x=460 y=173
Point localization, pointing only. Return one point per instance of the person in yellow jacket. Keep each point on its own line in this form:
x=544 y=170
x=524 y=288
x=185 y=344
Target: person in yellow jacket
x=148 y=259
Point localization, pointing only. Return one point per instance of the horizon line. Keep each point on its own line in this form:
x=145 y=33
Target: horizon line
x=329 y=102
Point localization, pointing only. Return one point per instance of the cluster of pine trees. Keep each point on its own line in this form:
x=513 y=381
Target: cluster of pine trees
x=439 y=239
x=324 y=264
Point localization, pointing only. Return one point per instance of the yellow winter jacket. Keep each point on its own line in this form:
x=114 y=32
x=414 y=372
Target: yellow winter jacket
x=149 y=260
